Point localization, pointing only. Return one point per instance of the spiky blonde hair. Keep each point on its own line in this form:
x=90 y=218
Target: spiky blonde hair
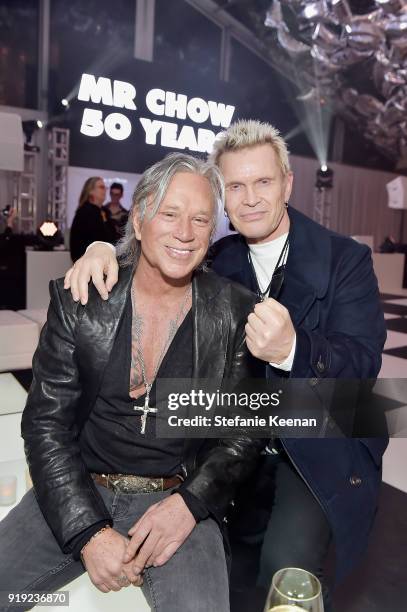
x=248 y=133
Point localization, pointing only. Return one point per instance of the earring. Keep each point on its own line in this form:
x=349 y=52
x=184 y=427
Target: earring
x=286 y=204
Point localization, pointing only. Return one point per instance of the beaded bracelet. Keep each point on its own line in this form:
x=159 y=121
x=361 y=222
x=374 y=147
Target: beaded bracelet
x=94 y=536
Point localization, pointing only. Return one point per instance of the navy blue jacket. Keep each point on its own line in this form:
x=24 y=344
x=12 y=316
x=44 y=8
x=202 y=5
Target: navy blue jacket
x=331 y=293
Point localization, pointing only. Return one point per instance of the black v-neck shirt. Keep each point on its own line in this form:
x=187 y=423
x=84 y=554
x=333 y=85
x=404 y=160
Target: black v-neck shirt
x=111 y=441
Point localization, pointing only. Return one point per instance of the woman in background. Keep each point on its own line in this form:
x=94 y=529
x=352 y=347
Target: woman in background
x=90 y=222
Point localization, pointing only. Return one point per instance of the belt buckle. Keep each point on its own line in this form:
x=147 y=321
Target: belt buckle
x=136 y=484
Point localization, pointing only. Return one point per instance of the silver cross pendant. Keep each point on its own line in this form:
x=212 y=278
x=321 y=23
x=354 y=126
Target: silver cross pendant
x=146 y=410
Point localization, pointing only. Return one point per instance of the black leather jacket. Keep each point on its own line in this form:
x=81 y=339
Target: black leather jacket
x=68 y=368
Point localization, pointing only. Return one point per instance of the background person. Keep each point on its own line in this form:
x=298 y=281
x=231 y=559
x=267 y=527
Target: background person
x=118 y=214
x=90 y=222
x=8 y=216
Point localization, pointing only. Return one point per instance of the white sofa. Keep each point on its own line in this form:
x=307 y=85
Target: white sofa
x=18 y=341
x=38 y=315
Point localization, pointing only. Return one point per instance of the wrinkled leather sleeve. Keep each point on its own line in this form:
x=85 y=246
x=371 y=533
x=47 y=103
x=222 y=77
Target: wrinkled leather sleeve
x=62 y=485
x=231 y=461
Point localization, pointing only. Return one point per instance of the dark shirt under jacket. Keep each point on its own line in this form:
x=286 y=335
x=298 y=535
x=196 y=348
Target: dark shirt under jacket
x=90 y=223
x=111 y=442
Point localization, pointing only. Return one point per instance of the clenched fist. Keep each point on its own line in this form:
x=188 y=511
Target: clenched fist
x=270 y=332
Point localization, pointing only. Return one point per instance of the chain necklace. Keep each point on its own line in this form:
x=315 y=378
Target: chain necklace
x=146 y=409
x=276 y=282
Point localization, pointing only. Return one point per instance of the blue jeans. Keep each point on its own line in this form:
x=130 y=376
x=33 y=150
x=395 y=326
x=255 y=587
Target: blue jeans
x=194 y=580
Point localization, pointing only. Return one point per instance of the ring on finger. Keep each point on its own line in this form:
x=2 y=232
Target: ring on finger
x=122 y=581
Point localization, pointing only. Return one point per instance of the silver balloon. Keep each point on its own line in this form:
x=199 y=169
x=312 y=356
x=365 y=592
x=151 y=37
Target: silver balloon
x=349 y=96
x=388 y=89
x=325 y=69
x=290 y=44
x=293 y=3
x=399 y=46
x=382 y=56
x=378 y=72
x=348 y=57
x=400 y=98
x=368 y=105
x=396 y=26
x=385 y=80
x=364 y=35
x=320 y=55
x=393 y=116
x=313 y=11
x=340 y=11
x=389 y=6
x=274 y=16
x=395 y=78
x=326 y=38
x=338 y=39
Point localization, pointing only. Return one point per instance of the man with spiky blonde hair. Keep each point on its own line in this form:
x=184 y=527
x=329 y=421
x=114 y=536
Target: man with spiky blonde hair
x=319 y=317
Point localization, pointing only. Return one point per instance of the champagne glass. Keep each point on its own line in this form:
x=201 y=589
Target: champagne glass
x=294 y=590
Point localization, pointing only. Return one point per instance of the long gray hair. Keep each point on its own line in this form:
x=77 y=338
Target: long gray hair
x=154 y=183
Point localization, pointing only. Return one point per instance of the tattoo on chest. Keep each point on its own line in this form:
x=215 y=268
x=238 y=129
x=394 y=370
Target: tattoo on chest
x=136 y=374
x=159 y=333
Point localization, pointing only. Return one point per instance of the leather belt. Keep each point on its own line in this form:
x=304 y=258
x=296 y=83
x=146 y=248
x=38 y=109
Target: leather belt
x=127 y=483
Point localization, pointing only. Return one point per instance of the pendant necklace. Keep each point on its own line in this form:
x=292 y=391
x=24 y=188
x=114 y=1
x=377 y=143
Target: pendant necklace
x=146 y=409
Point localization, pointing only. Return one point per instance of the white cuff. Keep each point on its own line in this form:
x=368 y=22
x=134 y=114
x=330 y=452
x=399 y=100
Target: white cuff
x=101 y=242
x=287 y=364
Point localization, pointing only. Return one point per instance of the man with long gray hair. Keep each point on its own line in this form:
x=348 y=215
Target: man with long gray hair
x=102 y=482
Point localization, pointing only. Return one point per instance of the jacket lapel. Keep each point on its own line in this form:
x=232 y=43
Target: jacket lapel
x=307 y=268
x=210 y=341
x=236 y=266
x=210 y=327
x=98 y=328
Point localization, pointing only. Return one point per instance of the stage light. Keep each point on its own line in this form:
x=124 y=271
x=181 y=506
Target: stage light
x=324 y=178
x=48 y=236
x=48 y=228
x=65 y=102
x=29 y=127
x=40 y=124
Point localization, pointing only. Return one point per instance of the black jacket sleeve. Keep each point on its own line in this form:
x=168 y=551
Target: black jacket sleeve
x=63 y=486
x=89 y=224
